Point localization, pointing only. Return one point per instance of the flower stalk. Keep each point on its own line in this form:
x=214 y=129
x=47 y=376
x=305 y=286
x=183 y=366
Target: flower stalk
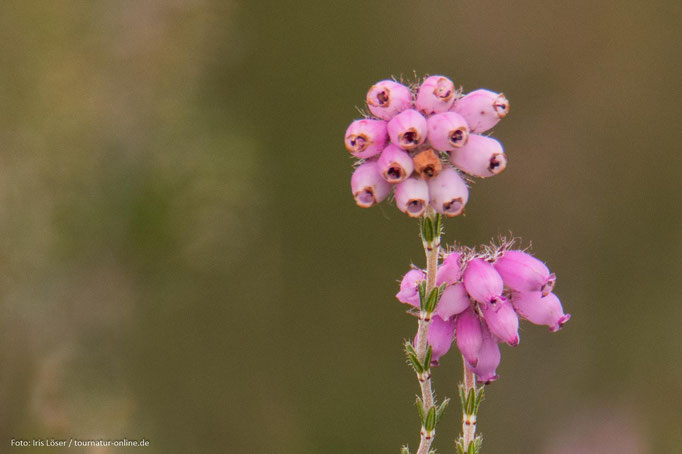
x=470 y=398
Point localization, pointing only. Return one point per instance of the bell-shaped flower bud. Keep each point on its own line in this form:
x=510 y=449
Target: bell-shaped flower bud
x=482 y=109
x=407 y=129
x=388 y=98
x=436 y=94
x=448 y=192
x=412 y=196
x=482 y=282
x=440 y=337
x=395 y=165
x=488 y=359
x=540 y=310
x=522 y=272
x=502 y=321
x=427 y=164
x=368 y=186
x=450 y=271
x=447 y=131
x=469 y=335
x=409 y=287
x=482 y=156
x=453 y=301
x=366 y=138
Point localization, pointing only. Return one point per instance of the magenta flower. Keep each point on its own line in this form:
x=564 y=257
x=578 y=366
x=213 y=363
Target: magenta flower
x=541 y=310
x=366 y=138
x=436 y=94
x=432 y=126
x=395 y=165
x=368 y=185
x=522 y=272
x=409 y=287
x=447 y=131
x=469 y=335
x=407 y=129
x=482 y=109
x=387 y=98
x=482 y=282
x=481 y=156
x=454 y=300
x=448 y=193
x=440 y=337
x=488 y=358
x=412 y=196
x=484 y=295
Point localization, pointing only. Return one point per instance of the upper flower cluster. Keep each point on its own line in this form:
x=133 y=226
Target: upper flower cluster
x=484 y=294
x=415 y=140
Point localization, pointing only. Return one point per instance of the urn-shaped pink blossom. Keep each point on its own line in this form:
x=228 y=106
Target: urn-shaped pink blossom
x=482 y=282
x=482 y=109
x=522 y=272
x=436 y=94
x=368 y=186
x=407 y=129
x=412 y=196
x=448 y=192
x=447 y=131
x=388 y=98
x=366 y=138
x=481 y=156
x=395 y=164
x=409 y=287
x=469 y=335
x=440 y=337
x=453 y=301
x=502 y=321
x=540 y=310
x=488 y=358
x=450 y=271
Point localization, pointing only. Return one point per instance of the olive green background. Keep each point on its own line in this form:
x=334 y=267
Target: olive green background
x=181 y=258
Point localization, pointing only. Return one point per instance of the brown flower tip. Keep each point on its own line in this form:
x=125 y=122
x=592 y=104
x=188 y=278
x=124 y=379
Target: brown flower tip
x=427 y=164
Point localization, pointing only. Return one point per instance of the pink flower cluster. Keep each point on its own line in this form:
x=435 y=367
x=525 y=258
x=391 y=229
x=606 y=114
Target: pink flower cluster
x=484 y=295
x=416 y=139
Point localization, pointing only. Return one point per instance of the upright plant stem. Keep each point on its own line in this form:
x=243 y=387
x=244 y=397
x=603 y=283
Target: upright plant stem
x=431 y=249
x=468 y=420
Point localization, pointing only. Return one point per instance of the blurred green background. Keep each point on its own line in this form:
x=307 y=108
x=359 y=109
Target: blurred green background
x=182 y=259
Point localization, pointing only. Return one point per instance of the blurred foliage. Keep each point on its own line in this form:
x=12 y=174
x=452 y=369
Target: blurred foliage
x=182 y=260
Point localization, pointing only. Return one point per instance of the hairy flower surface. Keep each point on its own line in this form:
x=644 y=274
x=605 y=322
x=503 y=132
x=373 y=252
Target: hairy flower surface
x=425 y=132
x=485 y=292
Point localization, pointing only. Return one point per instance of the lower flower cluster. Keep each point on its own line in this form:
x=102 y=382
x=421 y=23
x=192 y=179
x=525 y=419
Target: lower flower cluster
x=483 y=295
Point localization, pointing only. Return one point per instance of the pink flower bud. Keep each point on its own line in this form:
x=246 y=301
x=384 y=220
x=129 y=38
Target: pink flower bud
x=388 y=98
x=469 y=335
x=436 y=94
x=447 y=131
x=450 y=271
x=412 y=196
x=502 y=321
x=448 y=192
x=482 y=156
x=482 y=282
x=453 y=301
x=407 y=129
x=488 y=358
x=440 y=337
x=540 y=310
x=409 y=287
x=368 y=186
x=522 y=272
x=366 y=138
x=395 y=165
x=482 y=109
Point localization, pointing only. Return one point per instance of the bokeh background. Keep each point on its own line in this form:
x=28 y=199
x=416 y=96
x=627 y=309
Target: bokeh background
x=181 y=258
